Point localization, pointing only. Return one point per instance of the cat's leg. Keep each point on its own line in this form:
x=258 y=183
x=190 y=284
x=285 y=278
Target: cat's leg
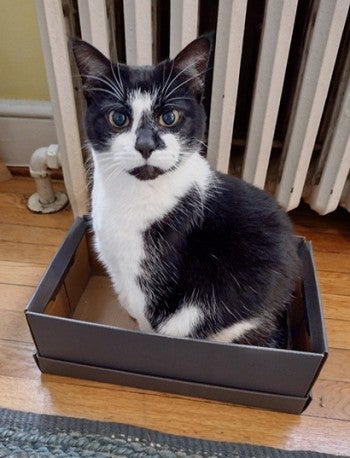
x=274 y=335
x=183 y=322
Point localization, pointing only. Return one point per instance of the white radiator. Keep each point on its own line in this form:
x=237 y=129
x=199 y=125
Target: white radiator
x=313 y=158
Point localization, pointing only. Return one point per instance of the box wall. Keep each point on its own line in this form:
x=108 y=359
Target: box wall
x=289 y=404
x=252 y=368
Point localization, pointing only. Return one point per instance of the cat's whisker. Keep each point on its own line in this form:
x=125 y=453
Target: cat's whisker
x=178 y=98
x=115 y=79
x=201 y=142
x=174 y=99
x=89 y=168
x=112 y=176
x=103 y=157
x=111 y=173
x=206 y=146
x=114 y=95
x=188 y=80
x=118 y=80
x=105 y=80
x=116 y=86
x=163 y=74
x=105 y=165
x=155 y=91
x=169 y=76
x=79 y=151
x=178 y=75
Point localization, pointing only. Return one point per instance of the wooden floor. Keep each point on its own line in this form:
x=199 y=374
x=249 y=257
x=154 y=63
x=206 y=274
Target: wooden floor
x=28 y=241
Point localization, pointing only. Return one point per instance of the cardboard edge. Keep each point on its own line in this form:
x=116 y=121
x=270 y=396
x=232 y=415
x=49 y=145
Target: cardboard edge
x=313 y=298
x=54 y=275
x=255 y=399
x=313 y=295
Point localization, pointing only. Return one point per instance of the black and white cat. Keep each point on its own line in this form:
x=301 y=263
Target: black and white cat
x=191 y=252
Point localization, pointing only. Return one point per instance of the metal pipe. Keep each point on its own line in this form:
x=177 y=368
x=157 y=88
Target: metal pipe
x=45 y=200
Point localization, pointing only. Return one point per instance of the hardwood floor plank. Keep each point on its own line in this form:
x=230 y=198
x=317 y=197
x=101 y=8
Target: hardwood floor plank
x=14 y=297
x=17 y=360
x=337 y=367
x=22 y=274
x=333 y=243
x=336 y=306
x=331 y=399
x=17 y=233
x=334 y=283
x=25 y=252
x=13 y=327
x=338 y=333
x=177 y=415
x=332 y=262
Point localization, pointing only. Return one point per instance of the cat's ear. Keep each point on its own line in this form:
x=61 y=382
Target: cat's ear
x=194 y=60
x=91 y=63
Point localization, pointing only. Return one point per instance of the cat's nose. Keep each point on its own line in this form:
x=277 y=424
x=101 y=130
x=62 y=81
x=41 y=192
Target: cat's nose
x=145 y=144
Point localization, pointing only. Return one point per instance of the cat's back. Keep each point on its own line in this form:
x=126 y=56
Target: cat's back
x=239 y=210
x=243 y=205
x=245 y=225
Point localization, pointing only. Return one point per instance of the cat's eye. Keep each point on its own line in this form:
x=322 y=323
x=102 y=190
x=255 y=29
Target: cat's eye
x=169 y=118
x=118 y=119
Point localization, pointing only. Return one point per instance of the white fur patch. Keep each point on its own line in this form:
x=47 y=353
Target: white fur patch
x=182 y=323
x=167 y=157
x=140 y=102
x=123 y=207
x=236 y=331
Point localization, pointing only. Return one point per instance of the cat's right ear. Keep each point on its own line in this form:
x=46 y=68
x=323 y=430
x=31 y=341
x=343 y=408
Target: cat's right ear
x=194 y=61
x=91 y=63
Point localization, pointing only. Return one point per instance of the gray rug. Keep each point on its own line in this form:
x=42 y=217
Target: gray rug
x=31 y=435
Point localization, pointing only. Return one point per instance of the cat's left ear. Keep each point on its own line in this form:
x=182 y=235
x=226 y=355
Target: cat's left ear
x=194 y=60
x=91 y=63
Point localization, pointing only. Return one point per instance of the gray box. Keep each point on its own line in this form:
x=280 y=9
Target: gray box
x=80 y=330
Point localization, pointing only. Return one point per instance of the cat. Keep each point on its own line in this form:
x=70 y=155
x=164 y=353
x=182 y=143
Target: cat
x=191 y=252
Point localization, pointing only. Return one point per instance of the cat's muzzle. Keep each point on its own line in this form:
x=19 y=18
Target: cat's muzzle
x=146 y=172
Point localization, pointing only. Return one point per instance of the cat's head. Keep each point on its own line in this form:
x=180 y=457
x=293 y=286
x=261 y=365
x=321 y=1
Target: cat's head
x=147 y=120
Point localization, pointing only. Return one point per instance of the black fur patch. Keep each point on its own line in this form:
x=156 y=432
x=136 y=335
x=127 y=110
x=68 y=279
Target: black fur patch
x=165 y=245
x=146 y=172
x=236 y=259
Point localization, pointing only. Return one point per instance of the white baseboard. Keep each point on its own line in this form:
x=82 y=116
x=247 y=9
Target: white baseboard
x=25 y=125
x=25 y=108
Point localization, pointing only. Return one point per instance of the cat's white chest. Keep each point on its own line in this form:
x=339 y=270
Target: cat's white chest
x=122 y=210
x=119 y=242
